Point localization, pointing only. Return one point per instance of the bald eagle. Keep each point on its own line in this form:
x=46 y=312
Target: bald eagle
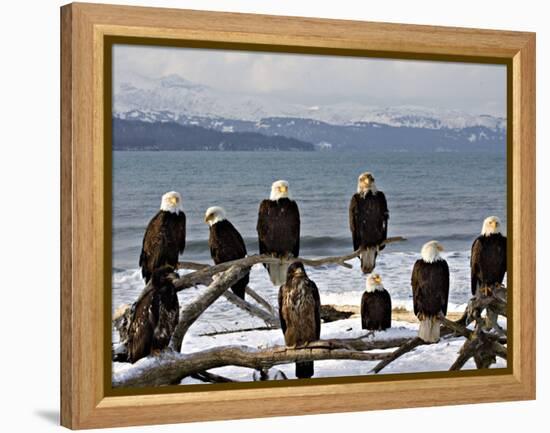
x=300 y=313
x=225 y=243
x=488 y=259
x=375 y=305
x=368 y=221
x=279 y=229
x=154 y=317
x=164 y=238
x=430 y=286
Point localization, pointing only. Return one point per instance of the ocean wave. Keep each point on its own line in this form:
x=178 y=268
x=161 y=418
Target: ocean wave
x=319 y=242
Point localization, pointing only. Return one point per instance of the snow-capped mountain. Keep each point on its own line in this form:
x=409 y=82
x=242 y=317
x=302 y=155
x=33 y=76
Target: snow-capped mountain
x=173 y=98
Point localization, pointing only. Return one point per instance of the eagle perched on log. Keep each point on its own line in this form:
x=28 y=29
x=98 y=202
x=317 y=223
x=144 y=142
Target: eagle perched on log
x=300 y=313
x=154 y=317
x=279 y=229
x=430 y=286
x=368 y=221
x=488 y=259
x=375 y=305
x=164 y=238
x=226 y=244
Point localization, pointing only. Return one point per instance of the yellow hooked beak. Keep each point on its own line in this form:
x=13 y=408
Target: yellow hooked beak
x=440 y=247
x=173 y=201
x=377 y=279
x=299 y=272
x=283 y=189
x=207 y=218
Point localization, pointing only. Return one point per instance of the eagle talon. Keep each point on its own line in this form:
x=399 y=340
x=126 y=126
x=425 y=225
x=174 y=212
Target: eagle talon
x=486 y=291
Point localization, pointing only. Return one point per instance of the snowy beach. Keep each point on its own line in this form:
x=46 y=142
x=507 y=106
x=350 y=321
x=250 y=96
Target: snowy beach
x=225 y=324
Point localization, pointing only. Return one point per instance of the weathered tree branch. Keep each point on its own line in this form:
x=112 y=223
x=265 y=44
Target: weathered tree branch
x=204 y=271
x=455 y=327
x=463 y=357
x=192 y=312
x=261 y=301
x=206 y=376
x=404 y=348
x=363 y=343
x=473 y=346
x=484 y=342
x=171 y=367
x=267 y=317
x=235 y=331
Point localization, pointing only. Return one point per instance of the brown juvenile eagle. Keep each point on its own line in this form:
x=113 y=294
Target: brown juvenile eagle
x=154 y=317
x=300 y=313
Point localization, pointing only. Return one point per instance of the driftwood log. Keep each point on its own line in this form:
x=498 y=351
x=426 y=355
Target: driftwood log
x=192 y=312
x=487 y=340
x=484 y=344
x=171 y=367
x=268 y=317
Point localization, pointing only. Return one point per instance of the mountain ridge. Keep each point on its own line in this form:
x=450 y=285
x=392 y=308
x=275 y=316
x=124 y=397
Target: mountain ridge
x=135 y=135
x=184 y=98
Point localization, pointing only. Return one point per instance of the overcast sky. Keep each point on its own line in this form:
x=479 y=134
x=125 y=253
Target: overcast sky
x=312 y=80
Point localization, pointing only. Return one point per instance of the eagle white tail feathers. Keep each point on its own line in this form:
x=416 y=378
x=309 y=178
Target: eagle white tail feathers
x=368 y=259
x=277 y=273
x=429 y=330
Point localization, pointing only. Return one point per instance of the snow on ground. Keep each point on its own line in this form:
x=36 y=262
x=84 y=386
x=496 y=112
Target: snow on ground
x=435 y=357
x=222 y=316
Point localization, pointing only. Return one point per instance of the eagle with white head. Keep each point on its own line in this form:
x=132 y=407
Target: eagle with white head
x=279 y=229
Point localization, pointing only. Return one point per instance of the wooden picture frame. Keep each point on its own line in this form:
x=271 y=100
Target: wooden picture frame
x=84 y=245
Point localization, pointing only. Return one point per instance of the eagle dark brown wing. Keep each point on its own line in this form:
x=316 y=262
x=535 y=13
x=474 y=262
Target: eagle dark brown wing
x=317 y=298
x=386 y=213
x=474 y=265
x=444 y=291
x=353 y=219
x=415 y=283
x=262 y=227
x=180 y=229
x=280 y=302
x=226 y=244
x=140 y=332
x=165 y=310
